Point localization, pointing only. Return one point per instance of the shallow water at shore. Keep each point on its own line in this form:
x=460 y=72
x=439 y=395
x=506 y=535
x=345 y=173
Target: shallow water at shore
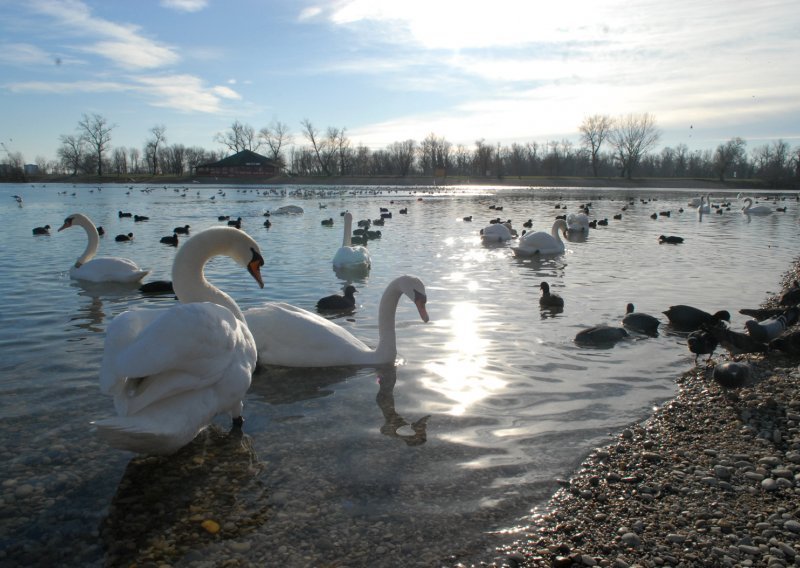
x=492 y=402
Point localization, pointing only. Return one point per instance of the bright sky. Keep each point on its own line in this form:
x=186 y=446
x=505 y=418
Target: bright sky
x=390 y=70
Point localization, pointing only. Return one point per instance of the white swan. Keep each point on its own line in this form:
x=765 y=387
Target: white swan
x=497 y=233
x=578 y=223
x=349 y=256
x=705 y=204
x=101 y=269
x=541 y=242
x=748 y=209
x=289 y=336
x=171 y=371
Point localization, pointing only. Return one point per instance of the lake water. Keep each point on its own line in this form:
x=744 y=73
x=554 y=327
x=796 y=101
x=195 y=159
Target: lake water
x=425 y=463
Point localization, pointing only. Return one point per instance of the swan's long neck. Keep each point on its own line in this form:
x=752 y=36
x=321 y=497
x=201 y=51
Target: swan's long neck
x=555 y=232
x=348 y=229
x=387 y=336
x=94 y=240
x=188 y=276
x=748 y=203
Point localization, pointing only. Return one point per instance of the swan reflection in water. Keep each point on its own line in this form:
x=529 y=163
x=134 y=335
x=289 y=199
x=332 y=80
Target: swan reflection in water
x=160 y=511
x=283 y=385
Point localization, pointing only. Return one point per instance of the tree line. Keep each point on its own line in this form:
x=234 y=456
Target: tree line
x=607 y=146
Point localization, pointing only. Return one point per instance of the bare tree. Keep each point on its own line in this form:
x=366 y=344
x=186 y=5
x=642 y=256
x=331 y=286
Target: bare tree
x=119 y=160
x=151 y=146
x=276 y=136
x=239 y=137
x=71 y=152
x=632 y=137
x=401 y=155
x=340 y=143
x=594 y=131
x=133 y=162
x=96 y=131
x=320 y=147
x=728 y=154
x=483 y=157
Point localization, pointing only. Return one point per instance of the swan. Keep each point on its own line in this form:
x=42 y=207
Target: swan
x=292 y=337
x=102 y=269
x=541 y=242
x=578 y=222
x=171 y=371
x=349 y=256
x=748 y=209
x=497 y=233
x=704 y=206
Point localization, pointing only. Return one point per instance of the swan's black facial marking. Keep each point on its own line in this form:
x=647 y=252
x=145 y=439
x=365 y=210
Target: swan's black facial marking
x=254 y=266
x=67 y=223
x=420 y=300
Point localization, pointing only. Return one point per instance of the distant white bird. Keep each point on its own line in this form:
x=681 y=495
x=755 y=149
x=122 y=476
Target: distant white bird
x=748 y=209
x=349 y=256
x=541 y=242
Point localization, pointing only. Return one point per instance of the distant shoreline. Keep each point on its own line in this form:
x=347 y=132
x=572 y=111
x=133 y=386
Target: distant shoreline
x=428 y=181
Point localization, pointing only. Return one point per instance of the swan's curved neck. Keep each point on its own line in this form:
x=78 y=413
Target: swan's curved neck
x=555 y=232
x=188 y=276
x=348 y=229
x=92 y=245
x=748 y=203
x=387 y=335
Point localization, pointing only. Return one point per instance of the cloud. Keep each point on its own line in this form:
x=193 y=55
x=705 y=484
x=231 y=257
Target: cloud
x=123 y=44
x=309 y=13
x=185 y=5
x=24 y=54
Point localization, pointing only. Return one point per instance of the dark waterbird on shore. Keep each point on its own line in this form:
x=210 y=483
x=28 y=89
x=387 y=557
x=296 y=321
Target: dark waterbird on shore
x=338 y=301
x=702 y=342
x=735 y=342
x=761 y=314
x=689 y=318
x=548 y=300
x=791 y=297
x=639 y=322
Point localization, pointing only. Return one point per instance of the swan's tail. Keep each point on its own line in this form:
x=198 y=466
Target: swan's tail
x=132 y=435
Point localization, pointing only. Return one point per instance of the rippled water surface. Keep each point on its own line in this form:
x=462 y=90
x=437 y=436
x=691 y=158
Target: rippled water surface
x=418 y=464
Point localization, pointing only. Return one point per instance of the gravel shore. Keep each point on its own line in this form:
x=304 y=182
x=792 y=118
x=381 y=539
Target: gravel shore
x=712 y=479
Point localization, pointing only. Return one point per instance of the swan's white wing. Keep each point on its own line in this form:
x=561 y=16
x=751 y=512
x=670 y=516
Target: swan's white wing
x=347 y=256
x=290 y=336
x=153 y=355
x=109 y=269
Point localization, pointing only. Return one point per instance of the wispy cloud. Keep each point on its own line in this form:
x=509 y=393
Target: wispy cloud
x=185 y=5
x=24 y=54
x=123 y=44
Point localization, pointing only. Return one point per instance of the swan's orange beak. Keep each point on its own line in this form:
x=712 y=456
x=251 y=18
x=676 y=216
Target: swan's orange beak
x=420 y=300
x=254 y=267
x=67 y=224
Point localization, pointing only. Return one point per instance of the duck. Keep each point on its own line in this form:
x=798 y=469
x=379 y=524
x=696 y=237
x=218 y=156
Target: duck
x=735 y=342
x=548 y=300
x=170 y=372
x=748 y=209
x=101 y=269
x=349 y=256
x=41 y=230
x=670 y=239
x=600 y=336
x=123 y=238
x=541 y=242
x=689 y=318
x=289 y=336
x=140 y=218
x=528 y=224
x=182 y=230
x=237 y=223
x=171 y=241
x=639 y=322
x=327 y=222
x=337 y=302
x=122 y=214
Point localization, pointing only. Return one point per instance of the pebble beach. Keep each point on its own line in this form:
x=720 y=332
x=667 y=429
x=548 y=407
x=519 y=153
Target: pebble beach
x=711 y=479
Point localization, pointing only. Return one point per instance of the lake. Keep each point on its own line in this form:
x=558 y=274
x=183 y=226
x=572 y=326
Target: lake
x=433 y=461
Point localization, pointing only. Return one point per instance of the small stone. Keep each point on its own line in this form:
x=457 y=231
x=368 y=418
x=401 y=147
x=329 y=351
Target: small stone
x=769 y=485
x=792 y=525
x=631 y=539
x=210 y=526
x=676 y=538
